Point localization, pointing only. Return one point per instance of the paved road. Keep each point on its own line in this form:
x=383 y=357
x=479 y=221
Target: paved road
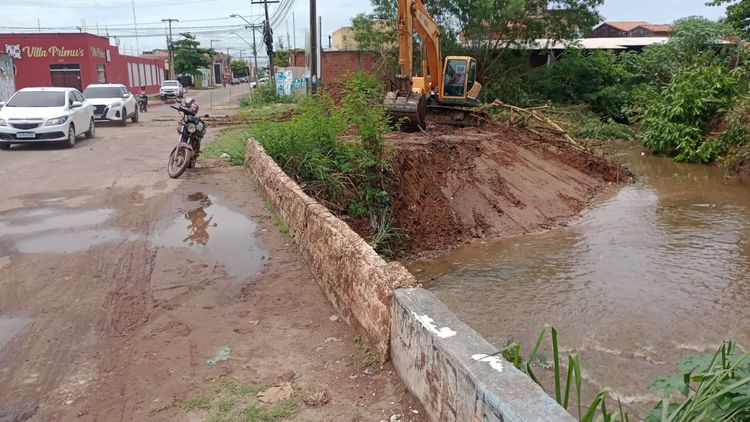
x=118 y=283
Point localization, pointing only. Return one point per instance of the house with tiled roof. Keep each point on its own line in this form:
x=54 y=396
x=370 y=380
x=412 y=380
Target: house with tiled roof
x=640 y=29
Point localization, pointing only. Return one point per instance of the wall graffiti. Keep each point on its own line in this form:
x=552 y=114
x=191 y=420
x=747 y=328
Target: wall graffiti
x=13 y=50
x=287 y=84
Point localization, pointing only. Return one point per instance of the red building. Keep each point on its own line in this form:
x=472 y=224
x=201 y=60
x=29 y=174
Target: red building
x=77 y=60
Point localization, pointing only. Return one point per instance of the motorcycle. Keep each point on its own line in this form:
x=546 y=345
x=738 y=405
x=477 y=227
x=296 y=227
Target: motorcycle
x=192 y=130
x=143 y=103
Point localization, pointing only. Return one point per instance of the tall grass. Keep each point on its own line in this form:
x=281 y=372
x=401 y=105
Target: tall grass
x=335 y=151
x=712 y=387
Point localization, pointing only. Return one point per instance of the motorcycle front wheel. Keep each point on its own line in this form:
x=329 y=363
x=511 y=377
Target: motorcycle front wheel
x=178 y=162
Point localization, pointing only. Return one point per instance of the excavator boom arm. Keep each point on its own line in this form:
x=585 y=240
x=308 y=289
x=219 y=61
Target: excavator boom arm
x=413 y=16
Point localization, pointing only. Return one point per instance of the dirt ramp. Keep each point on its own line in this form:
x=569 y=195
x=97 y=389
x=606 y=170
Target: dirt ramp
x=458 y=184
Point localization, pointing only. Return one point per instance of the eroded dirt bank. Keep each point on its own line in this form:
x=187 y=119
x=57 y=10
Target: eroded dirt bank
x=458 y=184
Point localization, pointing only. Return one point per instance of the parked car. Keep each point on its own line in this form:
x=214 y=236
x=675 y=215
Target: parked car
x=243 y=79
x=185 y=80
x=35 y=115
x=235 y=81
x=171 y=89
x=261 y=81
x=112 y=102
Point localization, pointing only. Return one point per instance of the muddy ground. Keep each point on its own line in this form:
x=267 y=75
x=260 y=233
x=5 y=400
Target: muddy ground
x=117 y=285
x=457 y=184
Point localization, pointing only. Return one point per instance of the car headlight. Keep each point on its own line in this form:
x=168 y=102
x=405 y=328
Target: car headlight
x=116 y=105
x=57 y=121
x=3 y=122
x=192 y=128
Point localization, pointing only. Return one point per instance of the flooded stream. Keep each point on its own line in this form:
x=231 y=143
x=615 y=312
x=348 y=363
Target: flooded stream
x=658 y=271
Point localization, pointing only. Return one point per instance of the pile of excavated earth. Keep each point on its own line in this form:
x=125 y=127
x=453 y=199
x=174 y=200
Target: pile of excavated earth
x=457 y=184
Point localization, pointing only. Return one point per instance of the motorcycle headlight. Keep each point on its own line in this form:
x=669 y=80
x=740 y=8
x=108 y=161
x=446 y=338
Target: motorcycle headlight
x=3 y=122
x=192 y=127
x=57 y=121
x=116 y=105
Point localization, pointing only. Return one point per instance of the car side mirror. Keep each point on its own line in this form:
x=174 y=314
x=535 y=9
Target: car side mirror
x=2 y=104
x=76 y=104
x=125 y=95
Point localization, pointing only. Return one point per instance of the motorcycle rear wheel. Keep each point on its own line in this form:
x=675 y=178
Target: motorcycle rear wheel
x=179 y=160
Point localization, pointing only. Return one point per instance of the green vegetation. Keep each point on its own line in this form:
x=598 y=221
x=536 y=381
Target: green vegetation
x=231 y=141
x=336 y=152
x=265 y=94
x=282 y=410
x=276 y=218
x=677 y=96
x=712 y=387
x=202 y=401
x=228 y=401
x=189 y=55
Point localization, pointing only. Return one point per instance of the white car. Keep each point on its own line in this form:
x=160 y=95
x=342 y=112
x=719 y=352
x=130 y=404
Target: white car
x=261 y=81
x=171 y=88
x=34 y=115
x=112 y=102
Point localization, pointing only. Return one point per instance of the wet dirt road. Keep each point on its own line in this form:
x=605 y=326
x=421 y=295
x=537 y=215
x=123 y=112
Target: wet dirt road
x=117 y=284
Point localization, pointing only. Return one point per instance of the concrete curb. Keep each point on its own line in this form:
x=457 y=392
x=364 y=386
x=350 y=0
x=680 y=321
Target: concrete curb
x=445 y=365
x=354 y=278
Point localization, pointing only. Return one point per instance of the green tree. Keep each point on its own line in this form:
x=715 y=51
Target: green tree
x=738 y=15
x=238 y=67
x=189 y=56
x=486 y=27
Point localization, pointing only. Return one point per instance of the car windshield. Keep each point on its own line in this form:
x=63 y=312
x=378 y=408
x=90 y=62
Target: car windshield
x=37 y=99
x=170 y=83
x=103 y=92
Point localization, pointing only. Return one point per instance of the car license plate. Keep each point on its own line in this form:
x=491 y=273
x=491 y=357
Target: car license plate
x=25 y=135
x=98 y=116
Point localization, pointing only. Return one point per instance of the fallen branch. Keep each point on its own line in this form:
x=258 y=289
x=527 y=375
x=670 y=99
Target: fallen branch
x=536 y=115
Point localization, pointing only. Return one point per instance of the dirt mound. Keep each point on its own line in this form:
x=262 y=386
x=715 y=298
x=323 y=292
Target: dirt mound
x=455 y=185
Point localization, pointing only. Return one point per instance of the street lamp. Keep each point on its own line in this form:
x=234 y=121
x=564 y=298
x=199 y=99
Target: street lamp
x=253 y=28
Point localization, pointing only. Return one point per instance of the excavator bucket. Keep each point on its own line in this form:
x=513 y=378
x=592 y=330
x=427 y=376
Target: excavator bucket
x=408 y=111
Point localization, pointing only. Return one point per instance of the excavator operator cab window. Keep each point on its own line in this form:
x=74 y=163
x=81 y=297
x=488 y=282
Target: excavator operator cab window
x=455 y=78
x=472 y=74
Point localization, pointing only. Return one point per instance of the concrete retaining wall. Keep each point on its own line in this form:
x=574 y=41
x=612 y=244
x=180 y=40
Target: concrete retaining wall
x=352 y=275
x=440 y=359
x=445 y=365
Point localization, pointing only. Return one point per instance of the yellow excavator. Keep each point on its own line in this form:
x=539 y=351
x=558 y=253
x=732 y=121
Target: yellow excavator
x=441 y=95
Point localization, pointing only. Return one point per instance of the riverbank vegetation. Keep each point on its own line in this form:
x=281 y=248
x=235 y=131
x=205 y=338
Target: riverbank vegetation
x=707 y=387
x=683 y=98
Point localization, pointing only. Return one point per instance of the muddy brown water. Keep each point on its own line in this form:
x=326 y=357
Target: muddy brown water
x=656 y=272
x=209 y=227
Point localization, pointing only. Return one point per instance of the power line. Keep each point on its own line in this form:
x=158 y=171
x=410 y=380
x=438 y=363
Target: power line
x=76 y=5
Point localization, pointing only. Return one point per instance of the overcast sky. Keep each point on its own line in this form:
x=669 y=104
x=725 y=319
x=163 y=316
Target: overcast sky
x=116 y=16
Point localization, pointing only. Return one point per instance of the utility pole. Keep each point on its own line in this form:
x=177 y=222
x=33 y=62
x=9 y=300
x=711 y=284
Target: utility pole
x=294 y=32
x=313 y=48
x=268 y=35
x=170 y=47
x=329 y=41
x=212 y=69
x=135 y=26
x=255 y=53
x=253 y=28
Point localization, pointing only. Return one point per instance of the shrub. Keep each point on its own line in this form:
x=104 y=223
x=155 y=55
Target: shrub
x=677 y=120
x=264 y=95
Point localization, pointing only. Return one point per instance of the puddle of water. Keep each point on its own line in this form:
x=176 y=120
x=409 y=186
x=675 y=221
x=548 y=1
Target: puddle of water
x=56 y=230
x=657 y=273
x=11 y=327
x=210 y=227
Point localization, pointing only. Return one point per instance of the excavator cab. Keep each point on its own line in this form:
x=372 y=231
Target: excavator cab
x=460 y=87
